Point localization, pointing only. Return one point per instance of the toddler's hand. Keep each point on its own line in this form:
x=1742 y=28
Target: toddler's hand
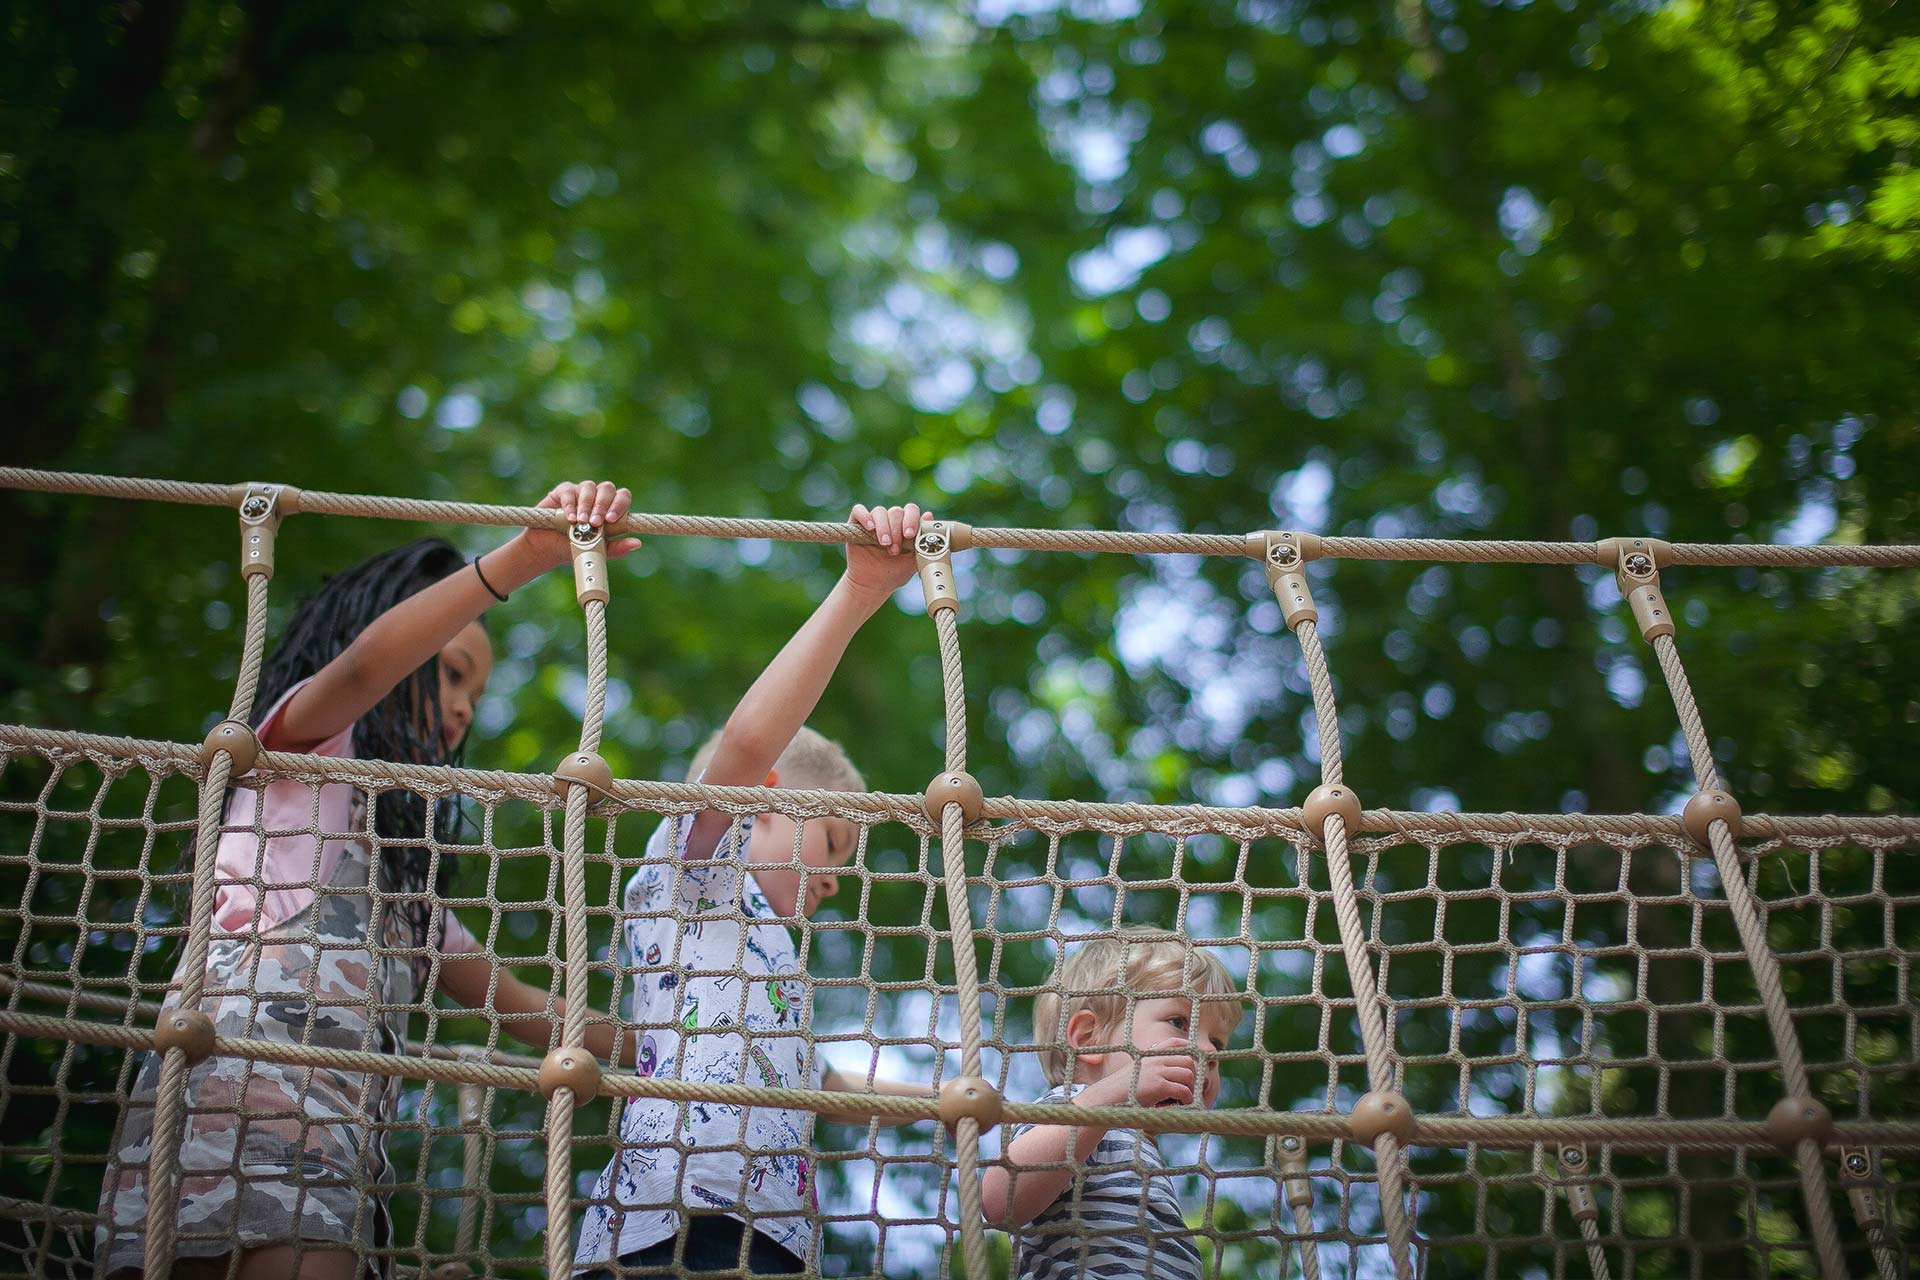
x=879 y=571
x=582 y=503
x=1165 y=1080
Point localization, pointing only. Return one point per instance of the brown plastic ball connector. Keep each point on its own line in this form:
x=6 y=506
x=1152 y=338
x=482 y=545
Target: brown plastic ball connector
x=1796 y=1120
x=954 y=788
x=1382 y=1111
x=188 y=1030
x=237 y=739
x=970 y=1097
x=570 y=1068
x=1706 y=808
x=588 y=768
x=1325 y=801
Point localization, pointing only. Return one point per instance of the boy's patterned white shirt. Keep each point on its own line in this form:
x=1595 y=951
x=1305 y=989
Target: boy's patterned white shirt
x=721 y=997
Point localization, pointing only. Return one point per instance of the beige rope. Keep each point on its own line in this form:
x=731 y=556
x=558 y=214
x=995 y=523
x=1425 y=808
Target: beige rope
x=1596 y=1255
x=953 y=861
x=573 y=874
x=1760 y=959
x=1438 y=550
x=1353 y=944
x=1062 y=816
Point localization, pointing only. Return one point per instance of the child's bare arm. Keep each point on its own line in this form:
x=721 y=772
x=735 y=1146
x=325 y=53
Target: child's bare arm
x=1012 y=1199
x=416 y=629
x=838 y=1081
x=788 y=690
x=466 y=978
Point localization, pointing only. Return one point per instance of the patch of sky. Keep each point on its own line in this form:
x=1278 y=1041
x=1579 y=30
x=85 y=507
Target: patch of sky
x=1118 y=263
x=1524 y=221
x=460 y=411
x=1343 y=141
x=1301 y=498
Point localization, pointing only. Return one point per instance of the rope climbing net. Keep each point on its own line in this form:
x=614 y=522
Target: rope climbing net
x=1468 y=1043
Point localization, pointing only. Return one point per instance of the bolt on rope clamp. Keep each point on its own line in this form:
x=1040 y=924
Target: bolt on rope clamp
x=1285 y=554
x=1636 y=563
x=1323 y=802
x=1288 y=1153
x=588 y=543
x=587 y=768
x=237 y=739
x=1707 y=808
x=261 y=506
x=188 y=1030
x=970 y=1097
x=1381 y=1111
x=570 y=1068
x=1572 y=1161
x=1857 y=1174
x=933 y=548
x=953 y=788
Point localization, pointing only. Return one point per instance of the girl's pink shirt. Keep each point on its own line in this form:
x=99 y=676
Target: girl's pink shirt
x=242 y=866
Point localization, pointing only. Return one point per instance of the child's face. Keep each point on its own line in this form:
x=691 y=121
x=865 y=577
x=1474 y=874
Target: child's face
x=826 y=844
x=465 y=664
x=1165 y=1024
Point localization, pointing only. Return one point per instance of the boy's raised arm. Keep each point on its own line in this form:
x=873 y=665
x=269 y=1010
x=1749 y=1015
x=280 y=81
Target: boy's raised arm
x=788 y=690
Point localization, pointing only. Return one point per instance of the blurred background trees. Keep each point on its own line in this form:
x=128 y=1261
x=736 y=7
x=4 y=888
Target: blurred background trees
x=1402 y=267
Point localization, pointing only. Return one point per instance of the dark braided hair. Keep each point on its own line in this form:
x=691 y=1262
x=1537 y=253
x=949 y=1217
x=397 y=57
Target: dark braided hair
x=404 y=726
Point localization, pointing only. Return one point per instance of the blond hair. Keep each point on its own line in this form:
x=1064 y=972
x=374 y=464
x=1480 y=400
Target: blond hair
x=812 y=761
x=1103 y=975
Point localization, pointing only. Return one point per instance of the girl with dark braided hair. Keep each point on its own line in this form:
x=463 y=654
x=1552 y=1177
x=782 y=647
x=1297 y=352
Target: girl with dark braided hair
x=327 y=921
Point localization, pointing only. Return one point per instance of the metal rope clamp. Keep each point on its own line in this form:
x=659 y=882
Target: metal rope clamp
x=1288 y=1153
x=1573 y=1163
x=1857 y=1174
x=261 y=507
x=589 y=545
x=1285 y=555
x=933 y=548
x=1636 y=563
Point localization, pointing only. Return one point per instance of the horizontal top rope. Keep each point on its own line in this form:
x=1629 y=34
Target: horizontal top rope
x=909 y=809
x=1451 y=550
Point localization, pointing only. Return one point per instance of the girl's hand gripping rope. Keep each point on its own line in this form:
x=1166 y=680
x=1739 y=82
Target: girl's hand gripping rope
x=586 y=502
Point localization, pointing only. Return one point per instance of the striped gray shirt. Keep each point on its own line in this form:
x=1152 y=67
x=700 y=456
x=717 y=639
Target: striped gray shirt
x=1118 y=1218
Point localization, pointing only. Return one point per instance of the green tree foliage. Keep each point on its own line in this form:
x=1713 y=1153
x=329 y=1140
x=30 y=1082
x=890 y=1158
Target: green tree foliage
x=1548 y=270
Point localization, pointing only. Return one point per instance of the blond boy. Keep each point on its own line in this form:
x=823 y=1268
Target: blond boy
x=719 y=992
x=1129 y=1020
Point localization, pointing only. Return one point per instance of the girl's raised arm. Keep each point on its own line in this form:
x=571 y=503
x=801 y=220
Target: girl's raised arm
x=406 y=636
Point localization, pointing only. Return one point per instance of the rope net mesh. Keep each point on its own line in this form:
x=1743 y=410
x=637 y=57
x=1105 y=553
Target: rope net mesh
x=1591 y=1028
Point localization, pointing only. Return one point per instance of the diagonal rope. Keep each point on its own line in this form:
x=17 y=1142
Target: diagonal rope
x=1368 y=1012
x=1760 y=959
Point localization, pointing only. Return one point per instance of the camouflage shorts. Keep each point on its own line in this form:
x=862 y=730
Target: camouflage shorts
x=271 y=1154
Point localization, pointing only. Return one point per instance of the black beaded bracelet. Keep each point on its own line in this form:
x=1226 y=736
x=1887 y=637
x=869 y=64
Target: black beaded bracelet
x=483 y=581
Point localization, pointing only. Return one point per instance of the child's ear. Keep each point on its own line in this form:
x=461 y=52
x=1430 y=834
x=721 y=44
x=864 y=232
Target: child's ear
x=1083 y=1028
x=773 y=778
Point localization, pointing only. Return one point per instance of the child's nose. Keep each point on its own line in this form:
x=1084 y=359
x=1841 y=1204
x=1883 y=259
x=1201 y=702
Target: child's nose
x=826 y=886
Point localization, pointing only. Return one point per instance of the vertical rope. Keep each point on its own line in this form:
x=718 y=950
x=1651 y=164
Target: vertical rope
x=473 y=1112
x=1760 y=958
x=573 y=904
x=966 y=973
x=1596 y=1256
x=1353 y=947
x=170 y=1100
